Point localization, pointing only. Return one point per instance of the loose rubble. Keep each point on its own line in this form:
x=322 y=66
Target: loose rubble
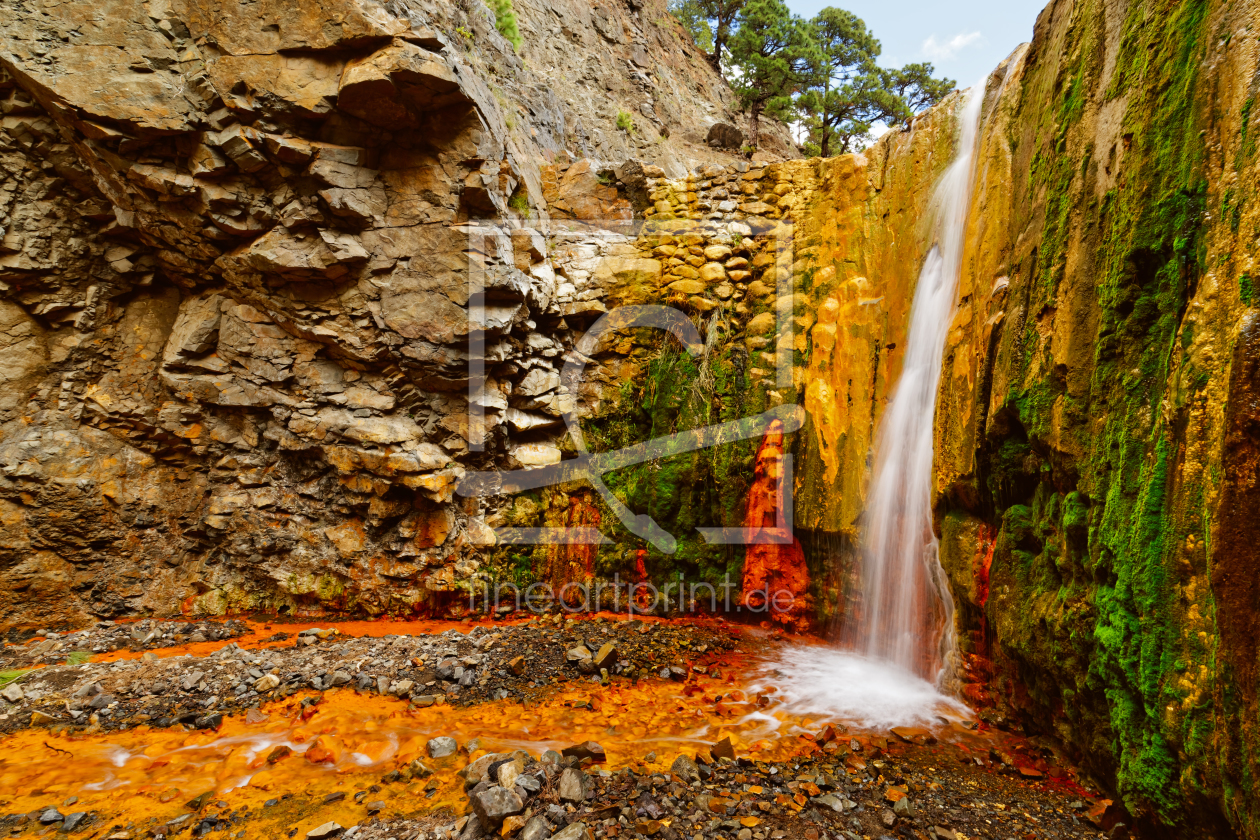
x=48 y=647
x=849 y=787
x=487 y=663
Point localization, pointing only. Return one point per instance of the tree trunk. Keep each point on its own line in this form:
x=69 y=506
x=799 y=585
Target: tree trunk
x=826 y=142
x=753 y=121
x=718 y=42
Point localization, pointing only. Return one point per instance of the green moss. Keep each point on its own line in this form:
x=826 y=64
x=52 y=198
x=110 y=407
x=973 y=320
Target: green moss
x=520 y=203
x=1247 y=146
x=1231 y=210
x=1092 y=550
x=12 y=676
x=1246 y=288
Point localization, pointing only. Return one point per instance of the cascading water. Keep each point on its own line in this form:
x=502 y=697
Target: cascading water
x=897 y=645
x=907 y=613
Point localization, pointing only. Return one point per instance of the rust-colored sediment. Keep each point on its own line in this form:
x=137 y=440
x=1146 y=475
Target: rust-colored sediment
x=774 y=572
x=349 y=741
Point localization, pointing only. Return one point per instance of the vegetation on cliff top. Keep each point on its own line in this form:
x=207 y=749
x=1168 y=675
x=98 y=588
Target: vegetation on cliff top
x=821 y=73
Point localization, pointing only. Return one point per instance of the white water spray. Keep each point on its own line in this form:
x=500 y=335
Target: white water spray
x=907 y=616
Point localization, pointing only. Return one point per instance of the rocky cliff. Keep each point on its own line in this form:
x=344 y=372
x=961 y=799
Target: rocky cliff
x=1096 y=447
x=1096 y=438
x=244 y=254
x=234 y=282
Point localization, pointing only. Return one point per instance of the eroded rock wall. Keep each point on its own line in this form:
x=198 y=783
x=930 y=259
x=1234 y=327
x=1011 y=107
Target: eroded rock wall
x=239 y=265
x=1095 y=452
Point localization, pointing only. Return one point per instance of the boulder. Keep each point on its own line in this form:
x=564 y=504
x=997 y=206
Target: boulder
x=537 y=828
x=441 y=747
x=685 y=769
x=493 y=803
x=574 y=785
x=723 y=749
x=725 y=136
x=587 y=750
x=476 y=772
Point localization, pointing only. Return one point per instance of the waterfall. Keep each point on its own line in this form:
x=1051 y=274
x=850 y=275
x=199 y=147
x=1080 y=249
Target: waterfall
x=907 y=612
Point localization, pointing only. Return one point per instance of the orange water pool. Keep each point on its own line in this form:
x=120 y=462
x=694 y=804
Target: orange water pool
x=348 y=741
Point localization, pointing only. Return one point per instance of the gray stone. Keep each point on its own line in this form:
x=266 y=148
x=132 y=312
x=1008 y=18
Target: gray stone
x=574 y=831
x=536 y=828
x=904 y=808
x=573 y=785
x=441 y=747
x=493 y=804
x=13 y=693
x=87 y=691
x=73 y=821
x=835 y=803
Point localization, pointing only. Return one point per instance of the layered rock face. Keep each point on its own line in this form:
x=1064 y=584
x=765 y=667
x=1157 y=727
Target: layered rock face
x=1095 y=441
x=241 y=256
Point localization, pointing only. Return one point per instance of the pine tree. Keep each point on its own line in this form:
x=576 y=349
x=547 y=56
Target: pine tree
x=775 y=55
x=853 y=93
x=505 y=22
x=710 y=23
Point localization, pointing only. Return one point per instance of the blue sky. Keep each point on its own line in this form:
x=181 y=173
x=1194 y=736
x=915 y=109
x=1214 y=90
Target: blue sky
x=964 y=40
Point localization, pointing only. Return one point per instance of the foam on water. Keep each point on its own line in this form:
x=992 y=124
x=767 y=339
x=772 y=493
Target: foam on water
x=831 y=685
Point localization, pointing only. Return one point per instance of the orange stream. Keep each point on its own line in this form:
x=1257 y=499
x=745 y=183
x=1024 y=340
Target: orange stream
x=145 y=773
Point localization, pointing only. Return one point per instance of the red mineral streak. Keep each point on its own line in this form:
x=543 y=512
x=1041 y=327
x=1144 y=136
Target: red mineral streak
x=571 y=565
x=774 y=572
x=984 y=562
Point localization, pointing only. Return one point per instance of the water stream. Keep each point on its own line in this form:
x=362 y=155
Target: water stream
x=907 y=613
